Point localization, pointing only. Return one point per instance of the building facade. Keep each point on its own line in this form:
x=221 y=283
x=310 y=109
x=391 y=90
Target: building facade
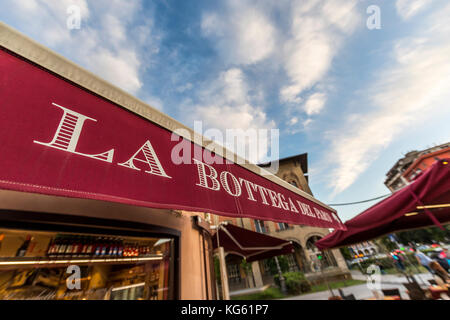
x=363 y=249
x=412 y=164
x=305 y=257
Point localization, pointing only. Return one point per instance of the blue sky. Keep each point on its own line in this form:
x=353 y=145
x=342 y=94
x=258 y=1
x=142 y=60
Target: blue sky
x=355 y=99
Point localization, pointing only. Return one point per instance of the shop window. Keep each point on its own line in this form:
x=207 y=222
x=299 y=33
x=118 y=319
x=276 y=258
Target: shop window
x=283 y=226
x=69 y=266
x=260 y=226
x=234 y=273
x=327 y=259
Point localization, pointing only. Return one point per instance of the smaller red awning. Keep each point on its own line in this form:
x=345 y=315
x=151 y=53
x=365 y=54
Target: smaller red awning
x=425 y=202
x=249 y=244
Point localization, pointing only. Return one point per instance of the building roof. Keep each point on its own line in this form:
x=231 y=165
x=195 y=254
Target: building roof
x=301 y=158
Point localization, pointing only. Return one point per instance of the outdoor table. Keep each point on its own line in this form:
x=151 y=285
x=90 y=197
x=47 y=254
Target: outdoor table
x=436 y=291
x=386 y=298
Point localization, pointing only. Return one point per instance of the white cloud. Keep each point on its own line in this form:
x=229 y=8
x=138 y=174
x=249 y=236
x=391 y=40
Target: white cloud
x=243 y=34
x=302 y=44
x=227 y=104
x=105 y=44
x=409 y=91
x=409 y=8
x=315 y=103
x=317 y=34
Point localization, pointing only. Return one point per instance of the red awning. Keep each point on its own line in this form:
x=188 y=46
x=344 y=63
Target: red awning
x=59 y=138
x=249 y=244
x=425 y=202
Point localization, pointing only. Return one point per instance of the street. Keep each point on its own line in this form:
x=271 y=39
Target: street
x=362 y=291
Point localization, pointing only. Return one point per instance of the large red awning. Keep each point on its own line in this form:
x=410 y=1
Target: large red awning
x=424 y=202
x=249 y=244
x=59 y=138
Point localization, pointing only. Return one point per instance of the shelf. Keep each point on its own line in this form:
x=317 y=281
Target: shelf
x=24 y=261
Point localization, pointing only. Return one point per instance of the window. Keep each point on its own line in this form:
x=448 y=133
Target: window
x=234 y=273
x=260 y=226
x=292 y=263
x=283 y=226
x=38 y=264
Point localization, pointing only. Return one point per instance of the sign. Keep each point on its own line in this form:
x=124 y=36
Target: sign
x=57 y=138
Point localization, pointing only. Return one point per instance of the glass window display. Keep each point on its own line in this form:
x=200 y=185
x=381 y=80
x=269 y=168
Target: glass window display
x=70 y=266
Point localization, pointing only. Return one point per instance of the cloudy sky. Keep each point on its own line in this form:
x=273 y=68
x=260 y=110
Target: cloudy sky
x=355 y=99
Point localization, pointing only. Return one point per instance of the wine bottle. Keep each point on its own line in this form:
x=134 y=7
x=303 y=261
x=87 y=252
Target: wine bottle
x=2 y=236
x=62 y=246
x=24 y=247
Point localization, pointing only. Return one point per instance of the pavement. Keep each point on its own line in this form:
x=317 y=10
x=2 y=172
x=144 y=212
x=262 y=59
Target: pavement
x=248 y=291
x=362 y=291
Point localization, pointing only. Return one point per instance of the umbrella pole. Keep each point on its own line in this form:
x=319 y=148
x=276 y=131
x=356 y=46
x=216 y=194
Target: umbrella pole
x=325 y=278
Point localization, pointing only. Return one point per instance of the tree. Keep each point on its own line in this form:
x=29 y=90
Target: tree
x=346 y=253
x=424 y=235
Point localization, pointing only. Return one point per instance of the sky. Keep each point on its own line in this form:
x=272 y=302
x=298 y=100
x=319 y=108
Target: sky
x=355 y=98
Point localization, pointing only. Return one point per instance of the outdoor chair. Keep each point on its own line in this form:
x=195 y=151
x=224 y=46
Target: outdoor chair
x=415 y=292
x=346 y=297
x=391 y=293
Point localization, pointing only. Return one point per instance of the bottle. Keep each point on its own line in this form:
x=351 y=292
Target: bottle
x=104 y=246
x=24 y=247
x=77 y=246
x=69 y=247
x=54 y=248
x=62 y=246
x=90 y=247
x=115 y=248
x=120 y=250
x=98 y=247
x=2 y=236
x=50 y=248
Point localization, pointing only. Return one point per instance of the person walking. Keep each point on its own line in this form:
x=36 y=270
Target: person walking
x=443 y=262
x=423 y=259
x=440 y=273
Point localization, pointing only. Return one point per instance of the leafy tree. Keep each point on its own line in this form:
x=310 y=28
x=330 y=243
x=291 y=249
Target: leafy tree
x=424 y=235
x=346 y=253
x=283 y=262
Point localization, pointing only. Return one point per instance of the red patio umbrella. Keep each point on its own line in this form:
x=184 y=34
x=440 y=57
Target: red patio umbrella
x=424 y=202
x=249 y=244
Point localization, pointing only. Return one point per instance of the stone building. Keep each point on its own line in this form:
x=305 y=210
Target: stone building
x=305 y=258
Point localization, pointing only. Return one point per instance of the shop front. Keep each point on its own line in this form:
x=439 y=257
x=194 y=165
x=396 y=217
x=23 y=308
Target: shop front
x=99 y=192
x=37 y=264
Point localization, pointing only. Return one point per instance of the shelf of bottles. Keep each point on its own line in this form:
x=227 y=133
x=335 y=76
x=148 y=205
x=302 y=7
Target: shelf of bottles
x=65 y=249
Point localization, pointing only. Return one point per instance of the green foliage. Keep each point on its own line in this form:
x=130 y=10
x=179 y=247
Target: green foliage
x=346 y=253
x=268 y=294
x=296 y=283
x=247 y=267
x=425 y=235
x=388 y=244
x=282 y=261
x=388 y=262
